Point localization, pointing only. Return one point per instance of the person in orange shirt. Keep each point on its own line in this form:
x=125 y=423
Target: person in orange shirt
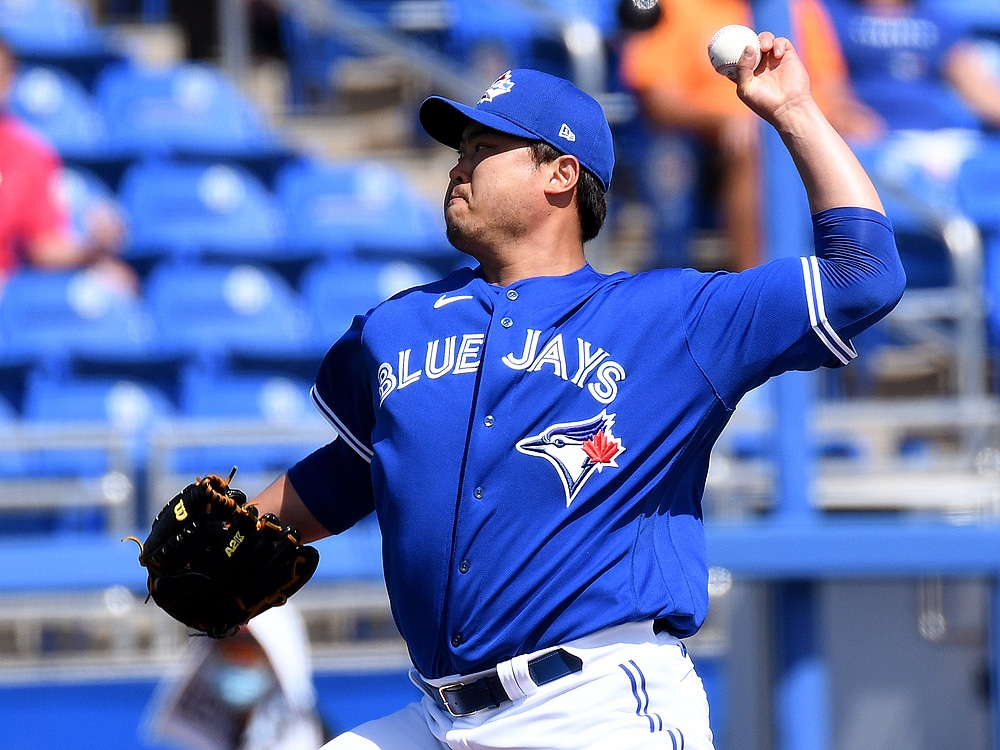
x=668 y=70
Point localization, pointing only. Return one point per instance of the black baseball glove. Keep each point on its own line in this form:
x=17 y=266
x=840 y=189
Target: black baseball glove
x=213 y=564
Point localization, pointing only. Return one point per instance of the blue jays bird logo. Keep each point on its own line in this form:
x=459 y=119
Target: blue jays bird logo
x=576 y=450
x=501 y=85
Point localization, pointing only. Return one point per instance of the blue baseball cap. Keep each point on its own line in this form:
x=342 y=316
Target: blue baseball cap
x=533 y=105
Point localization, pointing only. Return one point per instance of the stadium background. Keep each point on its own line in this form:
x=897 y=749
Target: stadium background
x=267 y=159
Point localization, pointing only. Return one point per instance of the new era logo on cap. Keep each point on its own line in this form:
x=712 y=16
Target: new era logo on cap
x=535 y=106
x=565 y=132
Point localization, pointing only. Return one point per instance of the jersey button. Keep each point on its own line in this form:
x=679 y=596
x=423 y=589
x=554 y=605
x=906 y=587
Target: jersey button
x=512 y=294
x=478 y=493
x=488 y=420
x=463 y=567
x=506 y=322
x=456 y=640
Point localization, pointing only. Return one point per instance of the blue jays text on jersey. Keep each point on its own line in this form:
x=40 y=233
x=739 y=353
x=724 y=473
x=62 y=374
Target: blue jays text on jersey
x=594 y=368
x=536 y=454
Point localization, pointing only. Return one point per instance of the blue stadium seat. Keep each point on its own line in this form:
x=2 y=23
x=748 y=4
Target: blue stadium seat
x=212 y=309
x=125 y=409
x=335 y=292
x=908 y=191
x=260 y=403
x=92 y=444
x=58 y=106
x=58 y=33
x=190 y=110
x=273 y=399
x=126 y=406
x=49 y=25
x=978 y=179
x=188 y=210
x=927 y=106
x=359 y=207
x=51 y=315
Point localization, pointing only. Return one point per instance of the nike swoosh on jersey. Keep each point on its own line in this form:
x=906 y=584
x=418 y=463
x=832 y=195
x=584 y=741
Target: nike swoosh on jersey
x=444 y=299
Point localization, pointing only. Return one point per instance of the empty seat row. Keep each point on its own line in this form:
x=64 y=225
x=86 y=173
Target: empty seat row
x=221 y=210
x=97 y=454
x=190 y=108
x=191 y=310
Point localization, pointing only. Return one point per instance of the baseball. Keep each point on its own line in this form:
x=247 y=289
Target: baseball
x=727 y=46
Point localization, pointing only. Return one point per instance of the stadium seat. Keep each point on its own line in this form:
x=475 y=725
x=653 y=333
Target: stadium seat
x=335 y=292
x=52 y=315
x=190 y=210
x=358 y=207
x=59 y=33
x=61 y=109
x=209 y=310
x=190 y=110
x=126 y=406
x=81 y=458
x=248 y=412
x=49 y=25
x=921 y=107
x=977 y=183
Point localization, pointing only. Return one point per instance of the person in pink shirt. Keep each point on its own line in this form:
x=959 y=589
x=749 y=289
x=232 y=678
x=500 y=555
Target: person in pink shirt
x=35 y=227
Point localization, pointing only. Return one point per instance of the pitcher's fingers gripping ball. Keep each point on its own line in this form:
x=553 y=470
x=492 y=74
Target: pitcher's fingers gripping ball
x=213 y=564
x=727 y=45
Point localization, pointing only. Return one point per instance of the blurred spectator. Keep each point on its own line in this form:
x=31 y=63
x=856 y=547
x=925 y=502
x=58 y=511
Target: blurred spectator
x=250 y=691
x=667 y=68
x=916 y=65
x=35 y=227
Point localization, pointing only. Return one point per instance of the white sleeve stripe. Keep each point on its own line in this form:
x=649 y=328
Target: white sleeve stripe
x=817 y=312
x=357 y=446
x=845 y=347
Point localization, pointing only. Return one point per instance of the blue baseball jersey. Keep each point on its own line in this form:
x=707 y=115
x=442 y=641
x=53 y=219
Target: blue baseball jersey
x=536 y=454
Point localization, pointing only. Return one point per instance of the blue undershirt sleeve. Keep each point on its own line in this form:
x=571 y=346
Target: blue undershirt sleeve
x=334 y=483
x=862 y=276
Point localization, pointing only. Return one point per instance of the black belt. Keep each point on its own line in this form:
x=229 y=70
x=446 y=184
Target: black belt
x=464 y=698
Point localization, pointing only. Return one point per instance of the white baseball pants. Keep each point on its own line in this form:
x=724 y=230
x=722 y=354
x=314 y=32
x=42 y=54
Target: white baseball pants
x=636 y=690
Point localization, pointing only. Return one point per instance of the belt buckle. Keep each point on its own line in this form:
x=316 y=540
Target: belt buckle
x=442 y=694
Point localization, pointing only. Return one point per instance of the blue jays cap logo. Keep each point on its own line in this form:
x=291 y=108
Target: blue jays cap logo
x=501 y=85
x=576 y=450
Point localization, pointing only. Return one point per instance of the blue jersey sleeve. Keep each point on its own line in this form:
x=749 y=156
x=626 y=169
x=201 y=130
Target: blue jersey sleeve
x=794 y=313
x=342 y=392
x=335 y=482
